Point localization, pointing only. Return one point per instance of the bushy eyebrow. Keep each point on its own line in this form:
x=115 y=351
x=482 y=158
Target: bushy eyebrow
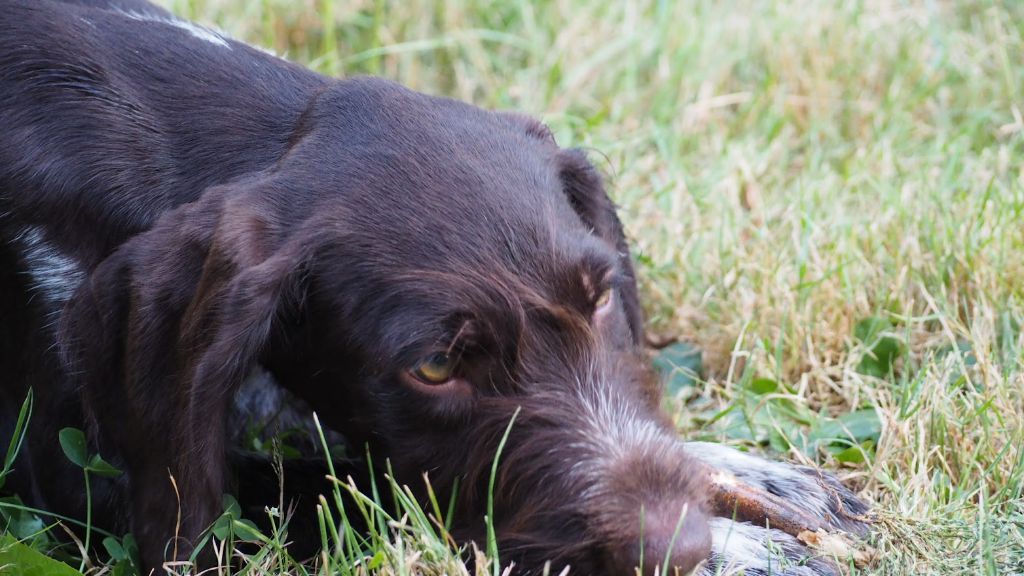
x=598 y=273
x=461 y=339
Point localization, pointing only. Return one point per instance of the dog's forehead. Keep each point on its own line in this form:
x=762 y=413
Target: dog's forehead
x=436 y=181
x=438 y=206
x=421 y=145
x=481 y=223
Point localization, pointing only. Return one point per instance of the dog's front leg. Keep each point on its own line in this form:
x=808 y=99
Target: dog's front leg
x=168 y=515
x=777 y=517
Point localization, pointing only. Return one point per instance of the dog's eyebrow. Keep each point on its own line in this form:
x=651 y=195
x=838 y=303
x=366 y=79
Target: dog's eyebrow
x=458 y=330
x=597 y=279
x=596 y=272
x=459 y=336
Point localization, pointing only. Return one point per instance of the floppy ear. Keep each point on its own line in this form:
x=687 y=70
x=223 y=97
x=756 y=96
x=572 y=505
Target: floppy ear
x=584 y=187
x=160 y=336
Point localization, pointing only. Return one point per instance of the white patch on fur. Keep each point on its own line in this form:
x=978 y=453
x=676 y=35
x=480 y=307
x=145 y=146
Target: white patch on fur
x=618 y=427
x=611 y=431
x=787 y=481
x=265 y=50
x=742 y=548
x=197 y=31
x=55 y=275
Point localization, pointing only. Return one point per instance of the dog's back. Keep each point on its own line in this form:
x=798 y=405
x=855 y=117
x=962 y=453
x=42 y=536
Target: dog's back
x=87 y=146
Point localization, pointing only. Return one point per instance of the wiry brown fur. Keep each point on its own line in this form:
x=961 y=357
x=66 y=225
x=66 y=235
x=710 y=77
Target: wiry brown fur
x=230 y=210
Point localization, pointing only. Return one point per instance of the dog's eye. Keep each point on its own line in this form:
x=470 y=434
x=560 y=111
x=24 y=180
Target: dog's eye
x=603 y=300
x=434 y=369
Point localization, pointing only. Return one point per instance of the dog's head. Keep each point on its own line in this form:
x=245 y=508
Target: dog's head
x=420 y=271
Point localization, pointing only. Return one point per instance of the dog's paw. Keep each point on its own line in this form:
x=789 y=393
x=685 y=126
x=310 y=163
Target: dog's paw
x=741 y=548
x=801 y=505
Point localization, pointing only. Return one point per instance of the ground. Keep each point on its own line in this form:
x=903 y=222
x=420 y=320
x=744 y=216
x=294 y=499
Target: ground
x=825 y=199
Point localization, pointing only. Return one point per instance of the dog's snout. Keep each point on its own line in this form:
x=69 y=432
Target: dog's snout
x=660 y=507
x=674 y=538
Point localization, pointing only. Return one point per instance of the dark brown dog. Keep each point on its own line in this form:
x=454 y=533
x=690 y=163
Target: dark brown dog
x=179 y=208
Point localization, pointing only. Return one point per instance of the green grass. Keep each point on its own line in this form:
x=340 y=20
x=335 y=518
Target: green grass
x=825 y=197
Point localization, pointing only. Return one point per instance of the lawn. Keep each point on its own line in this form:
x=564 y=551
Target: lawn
x=825 y=199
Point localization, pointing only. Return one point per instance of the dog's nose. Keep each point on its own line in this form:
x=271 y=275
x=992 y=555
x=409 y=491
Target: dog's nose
x=674 y=540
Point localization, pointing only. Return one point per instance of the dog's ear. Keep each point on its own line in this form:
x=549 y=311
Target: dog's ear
x=163 y=332
x=584 y=187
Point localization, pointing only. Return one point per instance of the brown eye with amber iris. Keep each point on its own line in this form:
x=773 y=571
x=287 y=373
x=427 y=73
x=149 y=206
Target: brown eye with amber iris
x=434 y=369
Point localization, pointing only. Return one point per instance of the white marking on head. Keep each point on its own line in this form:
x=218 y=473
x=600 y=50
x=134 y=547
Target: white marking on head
x=55 y=275
x=611 y=430
x=200 y=32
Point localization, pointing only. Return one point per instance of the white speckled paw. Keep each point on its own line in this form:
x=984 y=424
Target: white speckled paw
x=776 y=518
